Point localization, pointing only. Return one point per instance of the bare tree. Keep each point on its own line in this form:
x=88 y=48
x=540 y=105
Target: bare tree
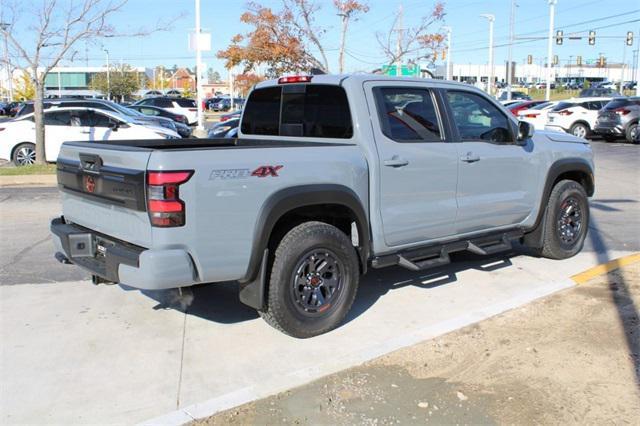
x=303 y=13
x=57 y=27
x=417 y=42
x=347 y=9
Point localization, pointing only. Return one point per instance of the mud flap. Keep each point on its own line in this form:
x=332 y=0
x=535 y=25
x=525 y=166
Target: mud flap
x=252 y=293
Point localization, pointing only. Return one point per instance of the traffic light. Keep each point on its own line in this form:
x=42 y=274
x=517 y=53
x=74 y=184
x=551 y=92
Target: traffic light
x=629 y=38
x=592 y=38
x=555 y=60
x=529 y=59
x=579 y=61
x=559 y=36
x=602 y=61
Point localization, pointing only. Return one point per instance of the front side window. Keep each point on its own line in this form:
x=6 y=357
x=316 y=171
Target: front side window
x=408 y=115
x=320 y=111
x=100 y=120
x=478 y=119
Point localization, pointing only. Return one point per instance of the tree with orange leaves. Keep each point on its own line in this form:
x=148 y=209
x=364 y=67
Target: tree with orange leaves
x=347 y=9
x=244 y=82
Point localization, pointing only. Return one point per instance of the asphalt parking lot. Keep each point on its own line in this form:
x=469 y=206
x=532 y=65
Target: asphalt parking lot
x=73 y=352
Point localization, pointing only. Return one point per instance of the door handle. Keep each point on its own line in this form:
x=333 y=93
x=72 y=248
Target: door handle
x=470 y=157
x=396 y=161
x=86 y=132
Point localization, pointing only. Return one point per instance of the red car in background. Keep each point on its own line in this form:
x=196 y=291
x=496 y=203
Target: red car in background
x=521 y=106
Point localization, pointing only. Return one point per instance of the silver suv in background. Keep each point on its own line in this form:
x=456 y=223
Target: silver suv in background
x=619 y=119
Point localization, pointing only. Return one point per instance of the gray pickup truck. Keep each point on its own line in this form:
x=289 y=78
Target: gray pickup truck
x=329 y=176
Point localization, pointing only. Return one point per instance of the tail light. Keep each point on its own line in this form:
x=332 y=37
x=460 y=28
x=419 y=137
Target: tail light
x=621 y=111
x=166 y=209
x=223 y=118
x=193 y=109
x=565 y=112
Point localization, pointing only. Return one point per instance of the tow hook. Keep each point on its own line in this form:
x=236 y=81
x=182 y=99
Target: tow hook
x=62 y=258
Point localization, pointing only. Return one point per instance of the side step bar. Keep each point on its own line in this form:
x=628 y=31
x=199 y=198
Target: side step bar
x=437 y=255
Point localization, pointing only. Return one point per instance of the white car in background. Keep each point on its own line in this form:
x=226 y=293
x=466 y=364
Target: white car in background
x=182 y=106
x=576 y=116
x=18 y=137
x=537 y=116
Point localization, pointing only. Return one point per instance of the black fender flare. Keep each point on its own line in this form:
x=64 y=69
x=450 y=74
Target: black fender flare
x=252 y=287
x=533 y=237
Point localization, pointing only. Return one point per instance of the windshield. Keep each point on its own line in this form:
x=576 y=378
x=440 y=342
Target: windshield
x=125 y=111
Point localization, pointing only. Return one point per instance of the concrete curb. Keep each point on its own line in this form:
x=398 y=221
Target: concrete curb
x=28 y=180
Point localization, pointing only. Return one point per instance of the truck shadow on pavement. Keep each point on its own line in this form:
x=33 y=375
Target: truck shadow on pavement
x=628 y=314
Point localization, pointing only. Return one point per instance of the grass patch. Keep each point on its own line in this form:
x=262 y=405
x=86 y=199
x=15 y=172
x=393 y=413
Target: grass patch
x=35 y=169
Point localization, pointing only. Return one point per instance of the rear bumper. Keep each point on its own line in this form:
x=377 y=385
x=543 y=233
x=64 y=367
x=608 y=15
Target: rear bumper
x=615 y=130
x=120 y=262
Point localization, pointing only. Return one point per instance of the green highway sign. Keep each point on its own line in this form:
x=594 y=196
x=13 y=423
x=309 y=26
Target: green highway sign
x=405 y=70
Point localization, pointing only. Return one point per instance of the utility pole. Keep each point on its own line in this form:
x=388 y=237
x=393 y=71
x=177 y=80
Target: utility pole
x=400 y=31
x=108 y=75
x=199 y=96
x=512 y=18
x=491 y=18
x=449 y=70
x=5 y=29
x=552 y=7
x=624 y=59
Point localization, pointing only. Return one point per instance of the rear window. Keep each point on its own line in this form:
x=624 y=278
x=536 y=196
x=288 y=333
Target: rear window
x=185 y=103
x=617 y=103
x=320 y=111
x=563 y=105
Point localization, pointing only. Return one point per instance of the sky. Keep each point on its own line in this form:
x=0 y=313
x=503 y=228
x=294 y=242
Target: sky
x=469 y=30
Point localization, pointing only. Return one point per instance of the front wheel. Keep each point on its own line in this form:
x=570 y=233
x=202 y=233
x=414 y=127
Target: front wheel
x=314 y=280
x=24 y=154
x=566 y=220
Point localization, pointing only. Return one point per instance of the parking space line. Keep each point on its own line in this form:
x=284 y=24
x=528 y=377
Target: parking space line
x=597 y=270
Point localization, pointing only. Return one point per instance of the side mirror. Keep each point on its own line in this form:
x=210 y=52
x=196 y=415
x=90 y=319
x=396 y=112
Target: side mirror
x=525 y=132
x=114 y=125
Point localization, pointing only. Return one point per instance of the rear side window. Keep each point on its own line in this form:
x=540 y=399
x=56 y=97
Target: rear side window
x=185 y=103
x=57 y=118
x=618 y=103
x=262 y=113
x=320 y=111
x=162 y=103
x=408 y=115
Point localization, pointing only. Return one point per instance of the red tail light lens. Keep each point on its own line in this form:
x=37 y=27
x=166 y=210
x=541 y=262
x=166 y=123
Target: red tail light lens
x=295 y=79
x=166 y=209
x=621 y=111
x=565 y=112
x=223 y=118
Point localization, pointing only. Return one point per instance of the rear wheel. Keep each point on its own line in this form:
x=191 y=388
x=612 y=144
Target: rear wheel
x=632 y=134
x=314 y=280
x=24 y=154
x=580 y=130
x=566 y=220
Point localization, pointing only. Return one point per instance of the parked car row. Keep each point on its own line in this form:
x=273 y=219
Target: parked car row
x=609 y=118
x=10 y=108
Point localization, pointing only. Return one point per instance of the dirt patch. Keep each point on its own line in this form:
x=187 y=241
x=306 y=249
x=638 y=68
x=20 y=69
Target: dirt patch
x=573 y=357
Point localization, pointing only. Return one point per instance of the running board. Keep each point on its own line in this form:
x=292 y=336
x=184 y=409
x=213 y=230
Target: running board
x=437 y=255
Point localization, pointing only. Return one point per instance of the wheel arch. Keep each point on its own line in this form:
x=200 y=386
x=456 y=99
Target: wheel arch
x=335 y=204
x=576 y=169
x=13 y=149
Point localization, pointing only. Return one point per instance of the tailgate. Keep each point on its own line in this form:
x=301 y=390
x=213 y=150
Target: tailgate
x=103 y=189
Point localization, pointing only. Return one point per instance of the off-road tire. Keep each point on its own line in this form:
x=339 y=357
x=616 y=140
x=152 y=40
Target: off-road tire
x=282 y=312
x=553 y=247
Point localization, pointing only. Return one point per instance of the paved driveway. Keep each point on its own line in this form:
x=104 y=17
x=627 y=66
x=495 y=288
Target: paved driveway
x=75 y=353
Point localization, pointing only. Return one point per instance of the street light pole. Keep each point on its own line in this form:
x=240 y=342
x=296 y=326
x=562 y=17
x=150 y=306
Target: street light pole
x=5 y=29
x=199 y=96
x=108 y=75
x=552 y=7
x=510 y=55
x=491 y=19
x=449 y=70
